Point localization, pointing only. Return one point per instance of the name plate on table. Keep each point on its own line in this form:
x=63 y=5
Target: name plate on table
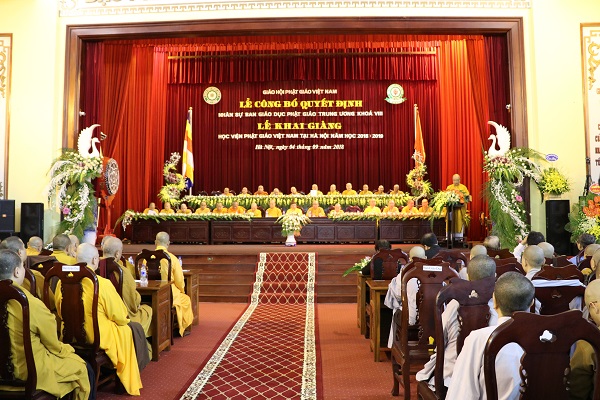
x=70 y=268
x=432 y=268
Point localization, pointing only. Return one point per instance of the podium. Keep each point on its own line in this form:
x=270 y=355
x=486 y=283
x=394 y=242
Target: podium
x=451 y=239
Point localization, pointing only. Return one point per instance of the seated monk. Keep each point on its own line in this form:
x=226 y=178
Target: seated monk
x=294 y=209
x=236 y=209
x=314 y=190
x=15 y=244
x=116 y=337
x=365 y=191
x=181 y=301
x=425 y=207
x=372 y=208
x=276 y=192
x=202 y=209
x=219 y=209
x=151 y=210
x=272 y=211
x=315 y=210
x=410 y=208
x=226 y=192
x=183 y=209
x=254 y=211
x=34 y=246
x=261 y=191
x=333 y=191
x=391 y=208
x=294 y=191
x=74 y=245
x=136 y=311
x=58 y=369
x=337 y=210
x=61 y=245
x=380 y=191
x=396 y=191
x=244 y=192
x=167 y=210
x=349 y=191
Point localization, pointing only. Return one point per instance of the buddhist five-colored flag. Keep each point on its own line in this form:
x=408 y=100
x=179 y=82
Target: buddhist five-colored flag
x=419 y=155
x=188 y=156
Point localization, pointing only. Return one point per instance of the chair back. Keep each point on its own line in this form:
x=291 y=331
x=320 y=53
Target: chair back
x=585 y=263
x=452 y=257
x=546 y=341
x=353 y=209
x=42 y=264
x=45 y=252
x=114 y=273
x=153 y=260
x=391 y=261
x=504 y=265
x=473 y=313
x=73 y=316
x=430 y=280
x=561 y=261
x=32 y=284
x=502 y=253
x=549 y=273
x=7 y=377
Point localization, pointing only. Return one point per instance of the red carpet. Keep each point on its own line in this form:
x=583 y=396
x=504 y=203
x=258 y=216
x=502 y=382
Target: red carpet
x=271 y=352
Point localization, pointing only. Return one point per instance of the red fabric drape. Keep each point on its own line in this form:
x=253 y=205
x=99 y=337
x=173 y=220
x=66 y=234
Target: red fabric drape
x=125 y=88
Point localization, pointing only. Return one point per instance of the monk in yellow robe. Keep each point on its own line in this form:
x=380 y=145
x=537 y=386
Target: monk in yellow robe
x=151 y=210
x=349 y=191
x=226 y=192
x=380 y=190
x=181 y=301
x=314 y=190
x=116 y=337
x=202 y=209
x=236 y=209
x=254 y=212
x=294 y=191
x=136 y=311
x=244 y=192
x=59 y=370
x=261 y=191
x=333 y=191
x=391 y=208
x=315 y=211
x=410 y=208
x=219 y=209
x=337 y=210
x=459 y=213
x=167 y=210
x=276 y=192
x=294 y=209
x=74 y=244
x=61 y=245
x=396 y=191
x=425 y=209
x=183 y=209
x=372 y=208
x=273 y=211
x=34 y=246
x=365 y=191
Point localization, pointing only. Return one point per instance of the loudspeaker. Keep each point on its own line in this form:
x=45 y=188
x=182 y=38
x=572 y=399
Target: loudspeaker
x=7 y=216
x=32 y=221
x=557 y=216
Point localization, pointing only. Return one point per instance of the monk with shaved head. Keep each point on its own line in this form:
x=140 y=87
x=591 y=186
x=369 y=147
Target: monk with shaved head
x=532 y=261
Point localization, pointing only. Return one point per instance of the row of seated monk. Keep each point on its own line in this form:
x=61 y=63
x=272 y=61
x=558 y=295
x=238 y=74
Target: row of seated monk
x=273 y=211
x=314 y=191
x=534 y=283
x=124 y=322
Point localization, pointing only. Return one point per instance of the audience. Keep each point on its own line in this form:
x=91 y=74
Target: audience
x=58 y=369
x=254 y=211
x=181 y=301
x=532 y=260
x=273 y=211
x=430 y=242
x=416 y=252
x=315 y=210
x=151 y=210
x=74 y=245
x=379 y=245
x=480 y=267
x=583 y=241
x=116 y=338
x=533 y=238
x=513 y=293
x=547 y=248
x=202 y=209
x=34 y=246
x=372 y=208
x=61 y=245
x=492 y=243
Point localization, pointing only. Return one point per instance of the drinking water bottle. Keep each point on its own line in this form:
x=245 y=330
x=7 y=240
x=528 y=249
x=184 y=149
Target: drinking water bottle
x=143 y=276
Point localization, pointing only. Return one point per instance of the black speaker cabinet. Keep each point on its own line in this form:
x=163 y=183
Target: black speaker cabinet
x=557 y=216
x=32 y=220
x=7 y=216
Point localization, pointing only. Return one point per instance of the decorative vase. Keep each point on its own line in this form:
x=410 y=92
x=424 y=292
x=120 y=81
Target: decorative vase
x=291 y=240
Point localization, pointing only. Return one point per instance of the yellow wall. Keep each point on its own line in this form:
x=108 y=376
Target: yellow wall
x=553 y=69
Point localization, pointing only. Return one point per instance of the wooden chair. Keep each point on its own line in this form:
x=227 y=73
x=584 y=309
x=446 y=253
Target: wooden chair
x=546 y=341
x=353 y=209
x=561 y=261
x=585 y=263
x=73 y=328
x=473 y=313
x=114 y=273
x=7 y=378
x=32 y=284
x=411 y=343
x=504 y=265
x=452 y=257
x=502 y=253
x=556 y=299
x=392 y=259
x=42 y=264
x=45 y=252
x=559 y=273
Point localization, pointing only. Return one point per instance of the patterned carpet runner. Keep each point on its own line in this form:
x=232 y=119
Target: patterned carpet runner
x=270 y=353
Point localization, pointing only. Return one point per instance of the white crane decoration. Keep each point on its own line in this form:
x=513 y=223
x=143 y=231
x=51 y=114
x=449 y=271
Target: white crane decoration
x=502 y=137
x=86 y=145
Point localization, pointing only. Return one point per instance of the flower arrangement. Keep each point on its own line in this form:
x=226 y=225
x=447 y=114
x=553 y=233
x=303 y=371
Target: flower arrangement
x=129 y=216
x=553 y=182
x=292 y=223
x=585 y=218
x=507 y=173
x=174 y=182
x=71 y=190
x=358 y=266
x=415 y=179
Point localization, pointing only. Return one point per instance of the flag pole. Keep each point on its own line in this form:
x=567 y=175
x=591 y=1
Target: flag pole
x=190 y=109
x=416 y=112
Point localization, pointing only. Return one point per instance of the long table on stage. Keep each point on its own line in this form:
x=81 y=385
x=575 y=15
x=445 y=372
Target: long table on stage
x=265 y=230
